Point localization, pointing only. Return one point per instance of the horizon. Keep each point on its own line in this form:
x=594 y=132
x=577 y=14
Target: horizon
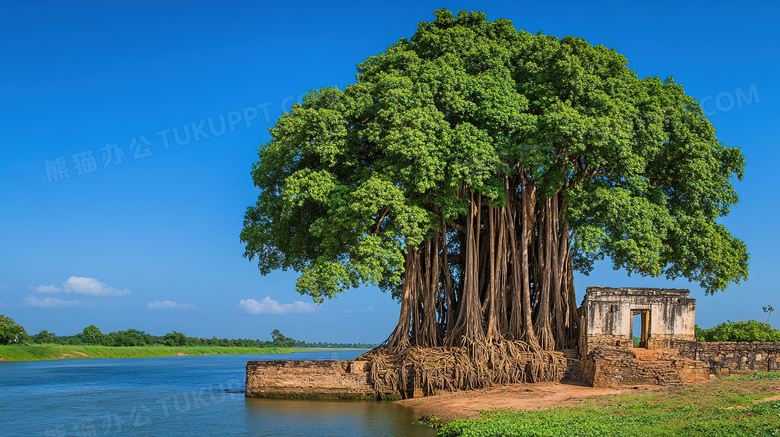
x=129 y=132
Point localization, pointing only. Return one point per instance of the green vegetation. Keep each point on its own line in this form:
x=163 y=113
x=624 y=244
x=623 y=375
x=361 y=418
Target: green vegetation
x=91 y=335
x=133 y=343
x=11 y=332
x=720 y=408
x=472 y=168
x=36 y=352
x=280 y=340
x=738 y=331
x=755 y=376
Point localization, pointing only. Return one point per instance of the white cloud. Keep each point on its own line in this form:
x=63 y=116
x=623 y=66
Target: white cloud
x=81 y=285
x=91 y=286
x=1 y=304
x=270 y=306
x=168 y=305
x=50 y=302
x=368 y=309
x=5 y=287
x=46 y=289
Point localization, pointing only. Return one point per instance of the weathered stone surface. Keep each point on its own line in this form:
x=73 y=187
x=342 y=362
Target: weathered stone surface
x=607 y=316
x=308 y=380
x=573 y=370
x=614 y=368
x=734 y=358
x=688 y=362
x=669 y=354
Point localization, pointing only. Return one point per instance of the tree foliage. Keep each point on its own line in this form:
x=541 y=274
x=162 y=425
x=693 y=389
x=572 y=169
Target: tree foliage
x=11 y=332
x=750 y=330
x=472 y=168
x=44 y=337
x=91 y=335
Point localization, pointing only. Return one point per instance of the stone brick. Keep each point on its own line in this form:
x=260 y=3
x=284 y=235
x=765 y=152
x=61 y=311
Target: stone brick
x=670 y=354
x=308 y=380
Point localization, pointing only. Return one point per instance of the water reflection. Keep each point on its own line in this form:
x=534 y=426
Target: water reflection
x=333 y=418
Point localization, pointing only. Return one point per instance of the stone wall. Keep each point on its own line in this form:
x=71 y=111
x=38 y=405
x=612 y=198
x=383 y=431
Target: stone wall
x=308 y=380
x=614 y=367
x=606 y=316
x=733 y=358
x=683 y=362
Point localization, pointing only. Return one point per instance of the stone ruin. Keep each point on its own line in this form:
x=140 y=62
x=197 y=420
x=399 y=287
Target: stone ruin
x=665 y=316
x=666 y=354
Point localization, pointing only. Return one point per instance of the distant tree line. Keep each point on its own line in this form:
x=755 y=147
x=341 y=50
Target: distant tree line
x=13 y=333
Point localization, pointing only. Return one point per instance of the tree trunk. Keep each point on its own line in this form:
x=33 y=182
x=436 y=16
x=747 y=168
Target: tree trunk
x=514 y=275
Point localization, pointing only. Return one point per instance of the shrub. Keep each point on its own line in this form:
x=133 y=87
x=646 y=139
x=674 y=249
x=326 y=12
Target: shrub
x=739 y=331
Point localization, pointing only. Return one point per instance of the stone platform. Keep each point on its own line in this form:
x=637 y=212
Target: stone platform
x=286 y=379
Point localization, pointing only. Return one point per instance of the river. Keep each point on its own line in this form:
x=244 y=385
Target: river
x=177 y=396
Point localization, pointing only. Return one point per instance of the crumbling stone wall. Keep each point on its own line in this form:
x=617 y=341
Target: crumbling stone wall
x=671 y=354
x=610 y=367
x=734 y=358
x=606 y=337
x=606 y=315
x=308 y=380
x=685 y=362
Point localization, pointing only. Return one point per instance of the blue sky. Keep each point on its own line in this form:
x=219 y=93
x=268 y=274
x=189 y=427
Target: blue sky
x=128 y=130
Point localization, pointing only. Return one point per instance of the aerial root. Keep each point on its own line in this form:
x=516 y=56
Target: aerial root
x=475 y=365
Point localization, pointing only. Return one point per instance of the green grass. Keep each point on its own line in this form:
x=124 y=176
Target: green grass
x=694 y=410
x=35 y=352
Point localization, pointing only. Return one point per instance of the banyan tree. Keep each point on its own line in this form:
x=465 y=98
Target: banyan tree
x=470 y=170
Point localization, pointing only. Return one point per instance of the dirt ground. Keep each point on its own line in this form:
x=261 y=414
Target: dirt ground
x=538 y=396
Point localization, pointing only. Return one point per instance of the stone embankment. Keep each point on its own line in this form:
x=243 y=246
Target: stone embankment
x=308 y=380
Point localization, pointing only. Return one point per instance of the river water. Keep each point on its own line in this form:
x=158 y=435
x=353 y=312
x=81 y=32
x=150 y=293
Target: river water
x=177 y=396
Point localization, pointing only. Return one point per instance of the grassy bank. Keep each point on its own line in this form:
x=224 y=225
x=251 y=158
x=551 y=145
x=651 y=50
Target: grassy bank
x=724 y=407
x=36 y=352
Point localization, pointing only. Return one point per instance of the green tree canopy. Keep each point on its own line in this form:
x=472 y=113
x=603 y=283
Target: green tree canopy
x=91 y=335
x=750 y=330
x=11 y=332
x=472 y=168
x=44 y=337
x=279 y=340
x=175 y=339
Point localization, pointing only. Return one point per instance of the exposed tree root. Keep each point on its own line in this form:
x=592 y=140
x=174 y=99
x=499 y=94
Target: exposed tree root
x=478 y=365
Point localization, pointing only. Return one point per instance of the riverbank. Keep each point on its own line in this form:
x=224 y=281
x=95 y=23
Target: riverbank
x=38 y=352
x=741 y=405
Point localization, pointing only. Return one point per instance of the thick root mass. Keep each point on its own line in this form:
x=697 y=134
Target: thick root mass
x=442 y=369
